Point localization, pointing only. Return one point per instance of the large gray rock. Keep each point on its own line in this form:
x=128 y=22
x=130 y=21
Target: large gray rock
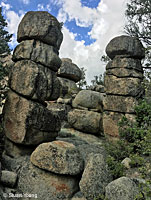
x=34 y=81
x=38 y=52
x=86 y=121
x=28 y=122
x=95 y=177
x=88 y=99
x=69 y=70
x=123 y=86
x=59 y=157
x=46 y=185
x=40 y=25
x=122 y=188
x=120 y=104
x=126 y=46
x=78 y=196
x=125 y=63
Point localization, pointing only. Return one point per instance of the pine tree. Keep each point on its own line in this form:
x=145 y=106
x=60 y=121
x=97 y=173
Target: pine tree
x=138 y=14
x=4 y=35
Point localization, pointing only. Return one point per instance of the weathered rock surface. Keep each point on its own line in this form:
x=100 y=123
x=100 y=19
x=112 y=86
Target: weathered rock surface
x=120 y=104
x=122 y=188
x=86 y=121
x=110 y=123
x=34 y=81
x=46 y=185
x=79 y=136
x=16 y=150
x=59 y=157
x=95 y=177
x=69 y=70
x=78 y=196
x=40 y=25
x=123 y=86
x=126 y=46
x=124 y=72
x=28 y=122
x=125 y=63
x=111 y=120
x=38 y=52
x=69 y=87
x=88 y=99
x=8 y=178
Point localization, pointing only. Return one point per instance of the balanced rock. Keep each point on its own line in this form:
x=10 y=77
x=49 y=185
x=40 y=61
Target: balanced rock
x=88 y=99
x=38 y=52
x=122 y=188
x=34 y=81
x=86 y=121
x=46 y=185
x=40 y=25
x=59 y=157
x=69 y=70
x=126 y=46
x=28 y=122
x=123 y=86
x=95 y=177
x=121 y=104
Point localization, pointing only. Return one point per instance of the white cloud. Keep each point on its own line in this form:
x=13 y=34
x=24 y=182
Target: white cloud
x=26 y=1
x=5 y=6
x=107 y=21
x=13 y=20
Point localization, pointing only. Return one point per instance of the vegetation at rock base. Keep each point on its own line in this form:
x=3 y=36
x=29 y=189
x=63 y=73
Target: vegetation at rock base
x=134 y=143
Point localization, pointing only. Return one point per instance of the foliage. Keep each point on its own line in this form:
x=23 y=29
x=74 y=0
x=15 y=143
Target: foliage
x=134 y=143
x=4 y=35
x=82 y=82
x=98 y=80
x=138 y=14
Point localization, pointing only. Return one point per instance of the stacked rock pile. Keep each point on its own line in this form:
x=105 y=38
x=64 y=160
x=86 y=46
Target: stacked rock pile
x=124 y=75
x=87 y=113
x=33 y=81
x=68 y=74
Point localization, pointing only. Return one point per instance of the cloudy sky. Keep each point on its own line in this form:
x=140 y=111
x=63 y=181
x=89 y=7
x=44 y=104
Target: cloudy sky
x=88 y=26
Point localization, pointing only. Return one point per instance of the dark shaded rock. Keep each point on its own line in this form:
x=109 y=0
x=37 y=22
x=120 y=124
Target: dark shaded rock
x=40 y=25
x=46 y=185
x=59 y=157
x=69 y=87
x=38 y=52
x=78 y=196
x=28 y=122
x=8 y=178
x=120 y=104
x=122 y=188
x=95 y=177
x=86 y=121
x=16 y=150
x=69 y=70
x=34 y=81
x=88 y=99
x=126 y=46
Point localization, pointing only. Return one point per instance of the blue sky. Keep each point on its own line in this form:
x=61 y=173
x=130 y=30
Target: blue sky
x=88 y=26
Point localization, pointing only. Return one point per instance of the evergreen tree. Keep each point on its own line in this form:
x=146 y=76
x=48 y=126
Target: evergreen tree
x=138 y=14
x=82 y=82
x=4 y=35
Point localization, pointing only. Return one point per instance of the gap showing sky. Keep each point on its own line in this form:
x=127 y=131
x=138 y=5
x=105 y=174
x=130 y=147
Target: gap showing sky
x=88 y=27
